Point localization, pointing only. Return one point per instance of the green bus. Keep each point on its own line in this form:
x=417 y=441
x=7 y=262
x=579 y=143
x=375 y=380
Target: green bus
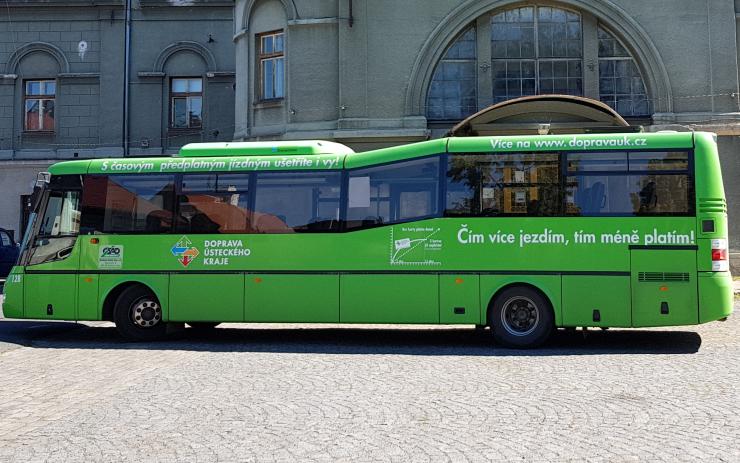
x=521 y=234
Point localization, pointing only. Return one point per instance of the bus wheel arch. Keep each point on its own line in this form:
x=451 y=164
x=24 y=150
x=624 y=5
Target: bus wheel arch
x=138 y=314
x=520 y=315
x=109 y=303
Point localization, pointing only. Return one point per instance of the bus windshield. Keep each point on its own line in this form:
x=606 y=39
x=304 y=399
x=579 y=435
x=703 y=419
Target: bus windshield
x=57 y=221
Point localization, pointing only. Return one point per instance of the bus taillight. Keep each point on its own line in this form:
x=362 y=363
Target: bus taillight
x=719 y=256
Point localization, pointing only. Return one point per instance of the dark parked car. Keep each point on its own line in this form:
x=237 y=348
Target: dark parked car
x=8 y=253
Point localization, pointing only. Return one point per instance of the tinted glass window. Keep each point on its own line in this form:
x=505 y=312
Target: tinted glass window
x=634 y=183
x=597 y=162
x=503 y=184
x=628 y=194
x=214 y=204
x=677 y=160
x=5 y=239
x=634 y=161
x=128 y=204
x=296 y=202
x=393 y=193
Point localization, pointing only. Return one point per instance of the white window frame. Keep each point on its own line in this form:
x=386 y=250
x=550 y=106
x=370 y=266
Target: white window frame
x=40 y=98
x=188 y=97
x=262 y=58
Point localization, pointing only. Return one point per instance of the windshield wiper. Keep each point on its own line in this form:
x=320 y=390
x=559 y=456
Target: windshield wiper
x=59 y=235
x=59 y=255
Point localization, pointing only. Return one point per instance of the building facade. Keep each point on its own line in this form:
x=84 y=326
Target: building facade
x=370 y=73
x=367 y=73
x=64 y=66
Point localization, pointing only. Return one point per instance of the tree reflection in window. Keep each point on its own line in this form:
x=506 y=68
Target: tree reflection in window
x=503 y=184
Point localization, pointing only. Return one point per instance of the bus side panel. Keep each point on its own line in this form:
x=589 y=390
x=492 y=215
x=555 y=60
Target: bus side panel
x=212 y=298
x=292 y=298
x=596 y=301
x=158 y=283
x=12 y=306
x=396 y=298
x=711 y=204
x=459 y=299
x=715 y=296
x=50 y=296
x=50 y=288
x=87 y=297
x=664 y=287
x=550 y=285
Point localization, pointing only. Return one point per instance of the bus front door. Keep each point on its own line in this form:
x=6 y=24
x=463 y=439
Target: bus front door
x=664 y=286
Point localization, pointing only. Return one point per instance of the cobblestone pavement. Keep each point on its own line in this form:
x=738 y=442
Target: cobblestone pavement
x=286 y=393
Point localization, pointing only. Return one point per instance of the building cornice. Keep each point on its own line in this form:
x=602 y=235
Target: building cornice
x=118 y=3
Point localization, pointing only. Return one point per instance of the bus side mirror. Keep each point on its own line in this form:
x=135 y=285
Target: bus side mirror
x=43 y=179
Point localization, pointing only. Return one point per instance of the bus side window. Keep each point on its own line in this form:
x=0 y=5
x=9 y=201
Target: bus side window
x=500 y=184
x=629 y=183
x=393 y=193
x=128 y=203
x=214 y=203
x=297 y=202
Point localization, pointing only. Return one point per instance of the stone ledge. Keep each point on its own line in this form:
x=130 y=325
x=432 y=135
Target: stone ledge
x=79 y=75
x=150 y=75
x=215 y=74
x=313 y=21
x=375 y=134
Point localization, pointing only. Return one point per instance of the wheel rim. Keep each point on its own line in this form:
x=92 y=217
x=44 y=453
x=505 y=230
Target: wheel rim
x=520 y=316
x=146 y=313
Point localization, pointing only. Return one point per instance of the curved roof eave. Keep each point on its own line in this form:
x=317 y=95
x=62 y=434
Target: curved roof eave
x=569 y=102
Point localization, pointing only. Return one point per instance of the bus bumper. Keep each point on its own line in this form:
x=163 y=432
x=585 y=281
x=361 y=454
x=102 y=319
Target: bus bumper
x=715 y=296
x=13 y=291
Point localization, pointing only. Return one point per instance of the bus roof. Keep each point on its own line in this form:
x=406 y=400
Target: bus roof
x=322 y=155
x=584 y=142
x=262 y=148
x=525 y=143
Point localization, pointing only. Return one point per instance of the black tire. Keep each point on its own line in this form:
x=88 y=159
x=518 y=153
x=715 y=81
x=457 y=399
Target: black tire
x=521 y=318
x=138 y=315
x=203 y=327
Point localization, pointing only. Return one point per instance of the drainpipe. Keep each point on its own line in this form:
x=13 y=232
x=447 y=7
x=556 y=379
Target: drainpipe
x=126 y=76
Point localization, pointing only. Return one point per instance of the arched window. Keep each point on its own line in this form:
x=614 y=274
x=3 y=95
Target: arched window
x=453 y=92
x=534 y=49
x=620 y=83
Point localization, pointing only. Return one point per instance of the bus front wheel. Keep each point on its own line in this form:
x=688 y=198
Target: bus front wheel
x=138 y=315
x=521 y=318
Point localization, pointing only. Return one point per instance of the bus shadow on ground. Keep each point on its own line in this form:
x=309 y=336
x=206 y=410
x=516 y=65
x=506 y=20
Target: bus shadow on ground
x=25 y=333
x=407 y=341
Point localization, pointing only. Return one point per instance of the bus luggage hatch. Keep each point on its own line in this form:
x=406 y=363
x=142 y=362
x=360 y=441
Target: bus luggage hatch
x=664 y=286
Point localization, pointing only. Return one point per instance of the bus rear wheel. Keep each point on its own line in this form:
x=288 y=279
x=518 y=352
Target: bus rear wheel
x=138 y=315
x=521 y=318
